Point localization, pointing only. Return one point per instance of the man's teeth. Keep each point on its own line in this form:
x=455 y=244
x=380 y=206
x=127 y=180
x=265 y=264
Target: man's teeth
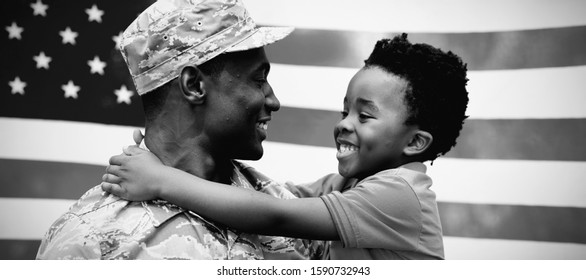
x=346 y=148
x=262 y=125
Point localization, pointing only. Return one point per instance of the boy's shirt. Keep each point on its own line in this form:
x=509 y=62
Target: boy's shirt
x=103 y=226
x=390 y=215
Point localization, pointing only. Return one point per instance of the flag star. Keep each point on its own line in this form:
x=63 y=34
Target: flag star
x=17 y=86
x=39 y=8
x=96 y=65
x=94 y=14
x=14 y=31
x=123 y=95
x=70 y=90
x=68 y=36
x=117 y=39
x=42 y=60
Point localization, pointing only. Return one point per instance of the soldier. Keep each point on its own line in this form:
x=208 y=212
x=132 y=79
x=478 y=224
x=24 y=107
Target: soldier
x=201 y=71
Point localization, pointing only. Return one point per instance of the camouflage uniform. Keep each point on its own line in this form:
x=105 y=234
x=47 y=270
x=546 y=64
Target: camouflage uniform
x=103 y=226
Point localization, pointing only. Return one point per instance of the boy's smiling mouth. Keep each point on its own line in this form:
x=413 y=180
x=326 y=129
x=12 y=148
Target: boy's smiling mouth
x=345 y=149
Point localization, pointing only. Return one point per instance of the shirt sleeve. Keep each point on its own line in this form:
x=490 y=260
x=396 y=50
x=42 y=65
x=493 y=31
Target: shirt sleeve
x=70 y=238
x=380 y=212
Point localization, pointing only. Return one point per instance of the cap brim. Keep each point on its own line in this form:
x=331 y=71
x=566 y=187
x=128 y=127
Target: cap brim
x=262 y=37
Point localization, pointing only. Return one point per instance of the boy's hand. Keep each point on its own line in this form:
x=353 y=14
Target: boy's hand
x=133 y=175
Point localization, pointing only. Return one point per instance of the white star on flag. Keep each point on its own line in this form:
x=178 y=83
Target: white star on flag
x=14 y=31
x=123 y=95
x=39 y=8
x=17 y=86
x=94 y=14
x=68 y=36
x=42 y=60
x=96 y=65
x=70 y=90
x=117 y=38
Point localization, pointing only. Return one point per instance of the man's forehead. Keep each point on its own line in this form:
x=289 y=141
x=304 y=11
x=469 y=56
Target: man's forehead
x=254 y=60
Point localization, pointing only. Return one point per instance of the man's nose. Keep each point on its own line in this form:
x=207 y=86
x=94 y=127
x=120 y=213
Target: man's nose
x=272 y=102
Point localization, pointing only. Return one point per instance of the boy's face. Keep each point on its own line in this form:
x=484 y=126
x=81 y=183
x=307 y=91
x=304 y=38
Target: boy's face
x=241 y=101
x=372 y=134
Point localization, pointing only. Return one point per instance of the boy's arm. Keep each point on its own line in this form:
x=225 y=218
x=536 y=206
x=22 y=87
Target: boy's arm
x=241 y=209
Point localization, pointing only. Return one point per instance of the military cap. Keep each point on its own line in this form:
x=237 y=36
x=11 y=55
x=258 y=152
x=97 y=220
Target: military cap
x=171 y=34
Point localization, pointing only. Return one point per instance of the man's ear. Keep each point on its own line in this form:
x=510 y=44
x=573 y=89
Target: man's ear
x=191 y=83
x=420 y=141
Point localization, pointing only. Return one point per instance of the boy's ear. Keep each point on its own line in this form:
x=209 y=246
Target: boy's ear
x=191 y=83
x=420 y=141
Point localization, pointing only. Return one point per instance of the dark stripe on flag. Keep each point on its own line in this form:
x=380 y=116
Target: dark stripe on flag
x=44 y=179
x=522 y=139
x=552 y=47
x=537 y=223
x=18 y=249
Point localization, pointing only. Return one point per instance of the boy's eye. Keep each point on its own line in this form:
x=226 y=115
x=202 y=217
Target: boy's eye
x=365 y=116
x=344 y=114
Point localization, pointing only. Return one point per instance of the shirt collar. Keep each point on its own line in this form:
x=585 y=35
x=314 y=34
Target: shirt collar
x=416 y=166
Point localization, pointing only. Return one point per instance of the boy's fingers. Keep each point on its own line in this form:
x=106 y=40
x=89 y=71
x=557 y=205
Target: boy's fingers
x=117 y=160
x=133 y=150
x=111 y=178
x=114 y=189
x=137 y=136
x=113 y=169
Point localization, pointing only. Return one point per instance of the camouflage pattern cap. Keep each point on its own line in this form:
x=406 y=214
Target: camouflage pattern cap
x=171 y=34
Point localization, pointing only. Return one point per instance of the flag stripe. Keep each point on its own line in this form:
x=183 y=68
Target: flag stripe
x=458 y=248
x=48 y=181
x=18 y=249
x=535 y=139
x=518 y=94
x=552 y=47
x=34 y=220
x=524 y=139
x=420 y=16
x=537 y=223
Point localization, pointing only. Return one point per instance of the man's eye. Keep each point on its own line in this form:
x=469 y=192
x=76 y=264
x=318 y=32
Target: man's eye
x=261 y=82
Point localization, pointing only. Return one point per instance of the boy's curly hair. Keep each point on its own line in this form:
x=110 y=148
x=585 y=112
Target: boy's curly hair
x=436 y=98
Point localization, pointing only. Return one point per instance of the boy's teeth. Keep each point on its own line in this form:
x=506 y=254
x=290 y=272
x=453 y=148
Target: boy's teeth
x=345 y=148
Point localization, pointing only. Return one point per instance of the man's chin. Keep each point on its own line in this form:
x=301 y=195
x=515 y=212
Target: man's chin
x=255 y=154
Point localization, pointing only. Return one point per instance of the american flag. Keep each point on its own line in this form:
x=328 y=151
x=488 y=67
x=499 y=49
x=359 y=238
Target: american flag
x=513 y=188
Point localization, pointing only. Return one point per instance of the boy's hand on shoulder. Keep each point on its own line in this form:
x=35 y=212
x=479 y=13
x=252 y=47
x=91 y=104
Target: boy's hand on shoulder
x=133 y=175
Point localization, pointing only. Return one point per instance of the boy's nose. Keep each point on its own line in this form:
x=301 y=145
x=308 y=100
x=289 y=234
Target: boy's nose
x=344 y=125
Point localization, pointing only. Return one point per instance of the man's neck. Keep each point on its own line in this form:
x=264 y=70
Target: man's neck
x=186 y=152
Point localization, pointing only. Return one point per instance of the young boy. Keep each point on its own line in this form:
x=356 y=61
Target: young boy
x=404 y=107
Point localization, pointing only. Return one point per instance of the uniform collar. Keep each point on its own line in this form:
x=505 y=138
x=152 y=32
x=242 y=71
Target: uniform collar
x=161 y=211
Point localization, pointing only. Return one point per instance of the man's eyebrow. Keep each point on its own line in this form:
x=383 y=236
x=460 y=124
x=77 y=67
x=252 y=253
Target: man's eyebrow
x=368 y=103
